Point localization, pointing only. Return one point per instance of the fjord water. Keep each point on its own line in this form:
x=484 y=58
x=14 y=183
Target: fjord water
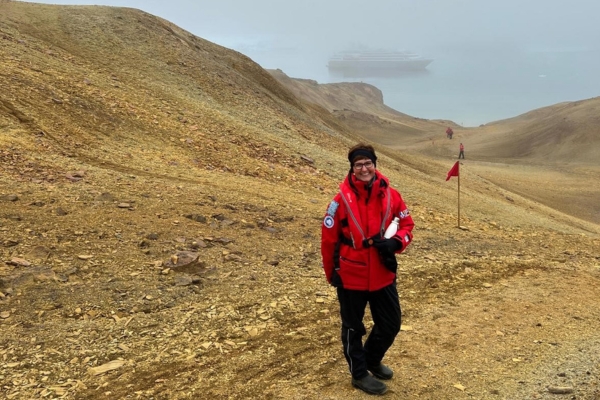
x=469 y=87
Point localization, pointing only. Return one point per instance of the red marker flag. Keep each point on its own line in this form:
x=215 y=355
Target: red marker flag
x=453 y=171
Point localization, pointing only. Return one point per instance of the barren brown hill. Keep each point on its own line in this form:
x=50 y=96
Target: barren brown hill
x=565 y=132
x=361 y=106
x=161 y=199
x=558 y=146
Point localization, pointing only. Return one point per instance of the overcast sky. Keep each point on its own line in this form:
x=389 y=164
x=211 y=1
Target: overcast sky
x=403 y=24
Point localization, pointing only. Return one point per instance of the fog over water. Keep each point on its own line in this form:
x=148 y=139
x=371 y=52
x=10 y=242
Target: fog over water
x=492 y=60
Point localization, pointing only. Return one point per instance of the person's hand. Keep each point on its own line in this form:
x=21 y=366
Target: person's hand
x=389 y=246
x=387 y=249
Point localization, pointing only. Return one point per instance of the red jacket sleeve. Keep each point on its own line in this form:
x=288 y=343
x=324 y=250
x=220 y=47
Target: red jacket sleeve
x=330 y=234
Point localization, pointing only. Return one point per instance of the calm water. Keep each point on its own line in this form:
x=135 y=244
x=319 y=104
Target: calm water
x=468 y=88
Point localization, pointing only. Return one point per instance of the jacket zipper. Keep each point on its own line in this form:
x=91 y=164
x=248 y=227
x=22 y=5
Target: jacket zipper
x=353 y=262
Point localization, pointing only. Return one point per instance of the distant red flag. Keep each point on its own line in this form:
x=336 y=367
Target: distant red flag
x=453 y=171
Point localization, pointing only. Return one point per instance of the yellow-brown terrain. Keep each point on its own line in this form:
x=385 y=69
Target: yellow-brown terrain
x=129 y=145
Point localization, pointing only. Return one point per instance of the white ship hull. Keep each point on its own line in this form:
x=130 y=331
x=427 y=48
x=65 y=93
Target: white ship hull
x=377 y=61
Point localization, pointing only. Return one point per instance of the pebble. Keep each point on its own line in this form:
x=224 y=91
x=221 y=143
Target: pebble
x=183 y=280
x=198 y=244
x=9 y=197
x=105 y=197
x=197 y=218
x=19 y=262
x=560 y=389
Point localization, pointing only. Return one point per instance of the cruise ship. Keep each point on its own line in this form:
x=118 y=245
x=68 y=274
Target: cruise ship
x=377 y=61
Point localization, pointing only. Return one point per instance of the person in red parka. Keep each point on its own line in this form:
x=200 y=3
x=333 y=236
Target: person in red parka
x=362 y=264
x=449 y=133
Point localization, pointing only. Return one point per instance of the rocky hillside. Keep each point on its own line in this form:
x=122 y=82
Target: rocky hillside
x=556 y=144
x=361 y=107
x=161 y=203
x=95 y=81
x=562 y=132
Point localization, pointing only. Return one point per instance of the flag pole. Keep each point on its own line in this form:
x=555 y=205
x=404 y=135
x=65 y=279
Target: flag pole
x=459 y=200
x=454 y=171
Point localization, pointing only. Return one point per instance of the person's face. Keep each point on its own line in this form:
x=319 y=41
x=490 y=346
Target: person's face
x=364 y=170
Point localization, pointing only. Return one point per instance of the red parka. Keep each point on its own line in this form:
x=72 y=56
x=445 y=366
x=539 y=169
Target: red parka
x=346 y=260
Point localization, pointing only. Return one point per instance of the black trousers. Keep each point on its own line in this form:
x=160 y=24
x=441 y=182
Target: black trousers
x=387 y=316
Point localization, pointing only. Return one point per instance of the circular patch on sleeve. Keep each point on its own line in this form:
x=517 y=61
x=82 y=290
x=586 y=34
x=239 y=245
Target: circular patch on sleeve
x=328 y=221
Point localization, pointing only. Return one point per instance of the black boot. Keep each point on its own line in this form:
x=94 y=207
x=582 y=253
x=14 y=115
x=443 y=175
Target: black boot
x=370 y=385
x=381 y=371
